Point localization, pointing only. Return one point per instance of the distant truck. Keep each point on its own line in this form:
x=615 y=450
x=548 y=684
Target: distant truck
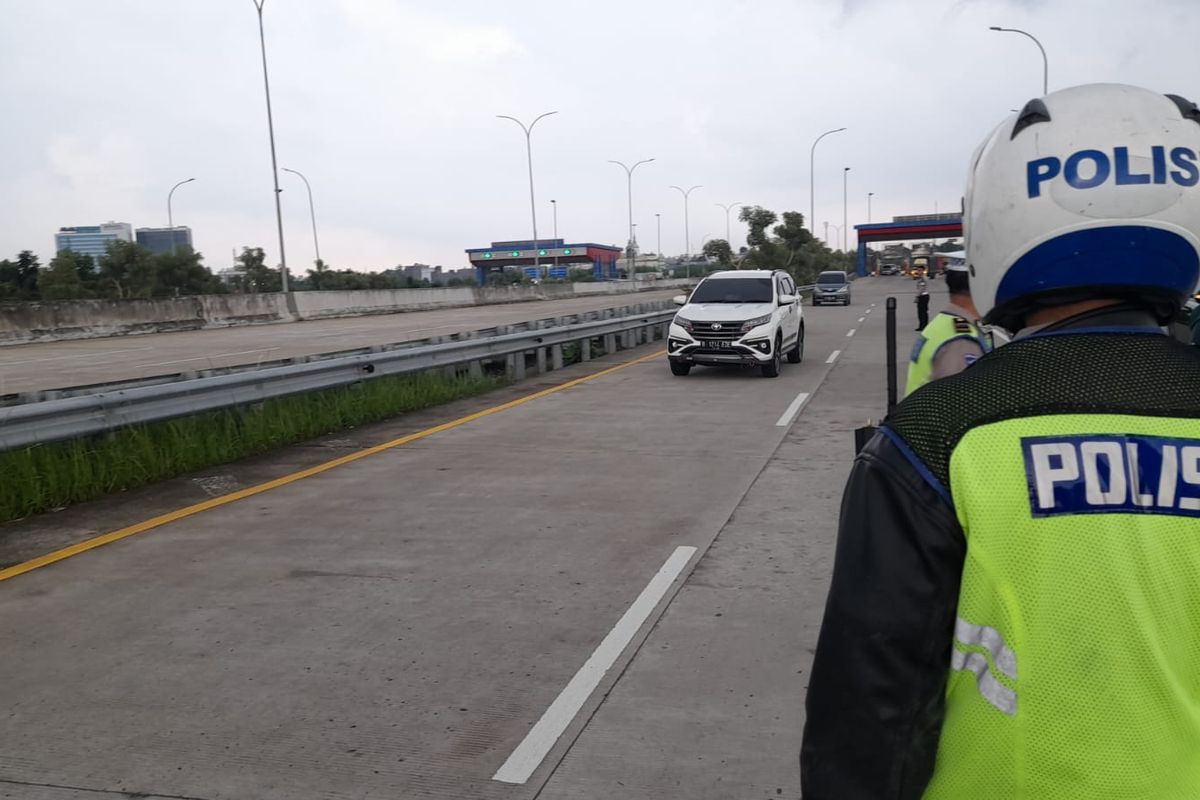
x=919 y=266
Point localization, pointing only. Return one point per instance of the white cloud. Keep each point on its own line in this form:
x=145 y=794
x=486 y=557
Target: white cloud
x=388 y=106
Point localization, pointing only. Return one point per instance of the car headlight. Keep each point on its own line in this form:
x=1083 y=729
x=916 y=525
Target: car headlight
x=751 y=324
x=686 y=324
x=842 y=289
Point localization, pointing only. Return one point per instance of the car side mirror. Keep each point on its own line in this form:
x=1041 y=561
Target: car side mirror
x=787 y=299
x=679 y=299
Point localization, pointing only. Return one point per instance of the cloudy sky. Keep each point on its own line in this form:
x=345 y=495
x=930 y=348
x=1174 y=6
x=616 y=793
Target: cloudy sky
x=388 y=106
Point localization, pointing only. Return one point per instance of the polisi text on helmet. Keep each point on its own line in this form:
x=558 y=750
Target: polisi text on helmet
x=1087 y=169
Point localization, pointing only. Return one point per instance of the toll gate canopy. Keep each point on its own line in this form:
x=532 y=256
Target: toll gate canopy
x=918 y=226
x=544 y=258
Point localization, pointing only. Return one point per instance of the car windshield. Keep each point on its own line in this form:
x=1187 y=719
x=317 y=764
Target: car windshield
x=831 y=278
x=733 y=290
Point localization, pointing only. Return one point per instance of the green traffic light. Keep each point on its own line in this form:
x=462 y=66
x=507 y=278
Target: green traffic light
x=541 y=252
x=487 y=255
x=515 y=253
x=567 y=252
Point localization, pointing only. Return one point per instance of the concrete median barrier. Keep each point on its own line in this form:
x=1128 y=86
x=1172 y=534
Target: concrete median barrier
x=22 y=323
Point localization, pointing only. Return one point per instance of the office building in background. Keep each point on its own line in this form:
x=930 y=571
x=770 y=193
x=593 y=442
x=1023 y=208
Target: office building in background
x=92 y=240
x=165 y=240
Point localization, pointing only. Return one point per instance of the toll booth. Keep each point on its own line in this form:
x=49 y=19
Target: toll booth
x=918 y=226
x=552 y=258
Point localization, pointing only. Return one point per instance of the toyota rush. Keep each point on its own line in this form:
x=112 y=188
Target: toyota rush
x=738 y=317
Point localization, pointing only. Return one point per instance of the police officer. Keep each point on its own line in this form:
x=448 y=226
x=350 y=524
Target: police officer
x=922 y=301
x=1015 y=603
x=953 y=341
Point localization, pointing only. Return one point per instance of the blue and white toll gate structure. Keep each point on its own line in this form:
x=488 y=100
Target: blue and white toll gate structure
x=917 y=226
x=553 y=256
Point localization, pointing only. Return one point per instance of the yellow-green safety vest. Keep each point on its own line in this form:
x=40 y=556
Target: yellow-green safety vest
x=1069 y=641
x=943 y=328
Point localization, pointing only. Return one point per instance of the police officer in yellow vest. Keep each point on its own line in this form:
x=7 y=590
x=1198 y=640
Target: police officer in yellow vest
x=953 y=340
x=1015 y=603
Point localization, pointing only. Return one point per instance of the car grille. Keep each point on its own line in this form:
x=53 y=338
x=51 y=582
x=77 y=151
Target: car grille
x=730 y=331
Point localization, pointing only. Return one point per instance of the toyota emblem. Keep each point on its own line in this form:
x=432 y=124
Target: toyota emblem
x=716 y=326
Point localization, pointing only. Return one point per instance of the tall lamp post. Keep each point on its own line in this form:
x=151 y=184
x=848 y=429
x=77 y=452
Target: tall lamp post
x=727 y=208
x=528 y=130
x=629 y=178
x=554 y=208
x=812 y=191
x=1045 y=61
x=687 y=237
x=845 y=227
x=658 y=227
x=262 y=40
x=312 y=213
x=170 y=216
x=869 y=196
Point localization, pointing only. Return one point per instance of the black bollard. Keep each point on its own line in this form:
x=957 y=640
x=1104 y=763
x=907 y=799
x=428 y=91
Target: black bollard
x=891 y=353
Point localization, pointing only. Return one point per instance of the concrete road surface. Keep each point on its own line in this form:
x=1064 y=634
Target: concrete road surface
x=610 y=591
x=53 y=365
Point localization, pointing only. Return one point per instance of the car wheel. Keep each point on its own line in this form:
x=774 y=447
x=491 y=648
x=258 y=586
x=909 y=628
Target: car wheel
x=796 y=354
x=679 y=368
x=771 y=368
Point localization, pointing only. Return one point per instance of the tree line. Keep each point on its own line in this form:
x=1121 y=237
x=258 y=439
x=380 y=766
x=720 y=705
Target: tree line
x=788 y=246
x=128 y=270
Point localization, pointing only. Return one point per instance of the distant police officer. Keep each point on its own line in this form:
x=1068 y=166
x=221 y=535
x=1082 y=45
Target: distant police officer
x=953 y=341
x=1015 y=603
x=922 y=301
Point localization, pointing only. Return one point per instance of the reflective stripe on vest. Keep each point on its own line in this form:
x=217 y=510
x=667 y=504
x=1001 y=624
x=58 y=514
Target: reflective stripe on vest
x=1005 y=660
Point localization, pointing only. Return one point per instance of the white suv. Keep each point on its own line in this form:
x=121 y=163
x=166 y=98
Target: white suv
x=748 y=317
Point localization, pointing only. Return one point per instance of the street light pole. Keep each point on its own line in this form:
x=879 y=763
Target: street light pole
x=312 y=212
x=262 y=40
x=170 y=216
x=554 y=208
x=658 y=226
x=845 y=227
x=728 y=241
x=869 y=196
x=1045 y=61
x=687 y=237
x=529 y=158
x=629 y=177
x=812 y=192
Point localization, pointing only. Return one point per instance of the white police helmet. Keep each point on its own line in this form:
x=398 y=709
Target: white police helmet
x=1088 y=192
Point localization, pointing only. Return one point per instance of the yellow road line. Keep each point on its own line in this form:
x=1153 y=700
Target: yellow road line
x=233 y=497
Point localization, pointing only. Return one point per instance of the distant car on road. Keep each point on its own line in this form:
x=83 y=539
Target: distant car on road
x=738 y=317
x=889 y=269
x=832 y=287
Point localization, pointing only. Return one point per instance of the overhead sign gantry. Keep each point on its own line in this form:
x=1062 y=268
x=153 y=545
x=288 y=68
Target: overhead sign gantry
x=917 y=226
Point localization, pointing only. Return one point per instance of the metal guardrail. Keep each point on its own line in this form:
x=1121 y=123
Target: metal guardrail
x=103 y=411
x=38 y=396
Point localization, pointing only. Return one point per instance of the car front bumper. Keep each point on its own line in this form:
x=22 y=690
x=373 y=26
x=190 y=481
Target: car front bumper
x=753 y=349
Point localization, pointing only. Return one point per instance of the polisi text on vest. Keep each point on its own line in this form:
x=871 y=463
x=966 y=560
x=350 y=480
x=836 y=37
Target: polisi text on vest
x=1112 y=474
x=1087 y=169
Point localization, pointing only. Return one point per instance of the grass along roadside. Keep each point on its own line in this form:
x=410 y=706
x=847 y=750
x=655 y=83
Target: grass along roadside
x=37 y=479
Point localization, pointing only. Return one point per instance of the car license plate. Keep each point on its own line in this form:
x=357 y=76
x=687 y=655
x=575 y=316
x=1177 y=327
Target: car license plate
x=719 y=344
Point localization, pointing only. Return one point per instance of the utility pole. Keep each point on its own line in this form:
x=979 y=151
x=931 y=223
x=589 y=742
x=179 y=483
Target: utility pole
x=262 y=39
x=629 y=176
x=529 y=158
x=687 y=237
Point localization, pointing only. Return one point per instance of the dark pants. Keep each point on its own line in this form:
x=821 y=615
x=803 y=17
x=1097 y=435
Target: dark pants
x=922 y=311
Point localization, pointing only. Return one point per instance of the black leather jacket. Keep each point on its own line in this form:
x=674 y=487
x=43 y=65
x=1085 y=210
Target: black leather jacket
x=876 y=694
